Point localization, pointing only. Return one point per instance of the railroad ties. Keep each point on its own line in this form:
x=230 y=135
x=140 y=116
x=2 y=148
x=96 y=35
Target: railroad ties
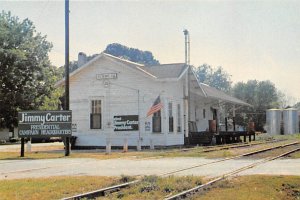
x=198 y=188
x=101 y=192
x=184 y=194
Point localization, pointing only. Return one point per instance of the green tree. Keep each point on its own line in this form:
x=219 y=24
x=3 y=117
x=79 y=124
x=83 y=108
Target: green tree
x=297 y=106
x=262 y=95
x=73 y=65
x=52 y=101
x=285 y=100
x=215 y=77
x=134 y=55
x=121 y=51
x=25 y=70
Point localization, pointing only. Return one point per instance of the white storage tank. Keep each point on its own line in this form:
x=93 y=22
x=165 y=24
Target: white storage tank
x=290 y=121
x=274 y=119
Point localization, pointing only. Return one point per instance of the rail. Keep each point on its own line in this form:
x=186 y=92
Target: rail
x=104 y=191
x=219 y=178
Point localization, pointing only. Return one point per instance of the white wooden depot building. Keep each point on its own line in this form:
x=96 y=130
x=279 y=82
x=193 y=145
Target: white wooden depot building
x=110 y=98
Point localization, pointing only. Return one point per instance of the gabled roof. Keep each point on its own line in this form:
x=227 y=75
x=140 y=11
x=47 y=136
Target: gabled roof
x=173 y=71
x=164 y=71
x=167 y=70
x=214 y=93
x=158 y=72
x=128 y=63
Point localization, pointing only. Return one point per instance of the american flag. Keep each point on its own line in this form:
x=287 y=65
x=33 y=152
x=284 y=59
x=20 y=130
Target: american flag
x=157 y=105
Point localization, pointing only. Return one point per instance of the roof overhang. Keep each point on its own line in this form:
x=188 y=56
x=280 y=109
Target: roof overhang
x=213 y=93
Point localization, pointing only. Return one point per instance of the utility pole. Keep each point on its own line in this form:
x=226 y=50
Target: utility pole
x=67 y=81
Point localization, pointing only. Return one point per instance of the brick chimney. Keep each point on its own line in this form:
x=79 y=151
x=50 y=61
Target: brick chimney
x=82 y=59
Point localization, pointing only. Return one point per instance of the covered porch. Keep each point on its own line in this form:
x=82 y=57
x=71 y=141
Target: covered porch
x=211 y=121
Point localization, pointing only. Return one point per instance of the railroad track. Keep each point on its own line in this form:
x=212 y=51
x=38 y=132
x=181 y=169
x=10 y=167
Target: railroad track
x=196 y=189
x=226 y=146
x=210 y=149
x=58 y=165
x=230 y=158
x=104 y=191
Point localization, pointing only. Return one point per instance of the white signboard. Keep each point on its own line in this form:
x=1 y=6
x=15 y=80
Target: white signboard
x=106 y=76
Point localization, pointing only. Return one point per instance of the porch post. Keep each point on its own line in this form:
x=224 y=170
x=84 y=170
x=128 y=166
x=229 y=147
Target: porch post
x=175 y=117
x=186 y=106
x=226 y=124
x=165 y=119
x=233 y=118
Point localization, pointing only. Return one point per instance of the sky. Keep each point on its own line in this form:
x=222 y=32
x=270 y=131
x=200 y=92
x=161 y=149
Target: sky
x=250 y=39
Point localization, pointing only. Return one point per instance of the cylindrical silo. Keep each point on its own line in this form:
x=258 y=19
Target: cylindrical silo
x=274 y=118
x=290 y=121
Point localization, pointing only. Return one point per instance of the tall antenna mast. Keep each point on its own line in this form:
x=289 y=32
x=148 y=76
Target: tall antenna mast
x=187 y=46
x=187 y=112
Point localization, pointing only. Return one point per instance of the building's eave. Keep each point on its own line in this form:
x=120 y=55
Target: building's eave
x=62 y=81
x=137 y=66
x=183 y=72
x=123 y=60
x=111 y=57
x=199 y=84
x=213 y=93
x=146 y=72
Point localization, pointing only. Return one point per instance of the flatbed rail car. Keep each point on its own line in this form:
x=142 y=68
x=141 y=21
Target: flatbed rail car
x=222 y=137
x=227 y=137
x=198 y=137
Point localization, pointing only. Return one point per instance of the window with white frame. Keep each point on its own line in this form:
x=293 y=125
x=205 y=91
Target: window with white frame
x=178 y=118
x=96 y=115
x=171 y=119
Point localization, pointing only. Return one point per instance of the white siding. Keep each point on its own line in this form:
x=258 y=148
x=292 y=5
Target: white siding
x=197 y=105
x=120 y=98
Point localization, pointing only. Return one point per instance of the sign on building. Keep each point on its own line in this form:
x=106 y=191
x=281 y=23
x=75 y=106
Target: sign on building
x=106 y=76
x=126 y=123
x=148 y=126
x=45 y=123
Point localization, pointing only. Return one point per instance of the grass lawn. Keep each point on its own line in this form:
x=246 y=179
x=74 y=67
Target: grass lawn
x=295 y=155
x=255 y=187
x=195 y=152
x=58 y=152
x=51 y=188
x=151 y=187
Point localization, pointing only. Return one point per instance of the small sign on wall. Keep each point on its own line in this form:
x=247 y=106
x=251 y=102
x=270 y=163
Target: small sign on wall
x=74 y=127
x=126 y=123
x=106 y=76
x=147 y=126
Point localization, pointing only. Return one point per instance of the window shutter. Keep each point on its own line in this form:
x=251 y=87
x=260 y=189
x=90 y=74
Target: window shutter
x=91 y=121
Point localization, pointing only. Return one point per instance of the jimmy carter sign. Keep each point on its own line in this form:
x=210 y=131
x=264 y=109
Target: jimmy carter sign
x=126 y=123
x=45 y=123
